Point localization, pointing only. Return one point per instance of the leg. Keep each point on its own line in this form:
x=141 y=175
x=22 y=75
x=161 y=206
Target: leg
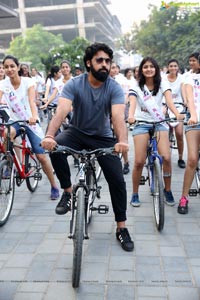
x=180 y=144
x=60 y=164
x=193 y=142
x=140 y=147
x=112 y=169
x=164 y=151
x=48 y=170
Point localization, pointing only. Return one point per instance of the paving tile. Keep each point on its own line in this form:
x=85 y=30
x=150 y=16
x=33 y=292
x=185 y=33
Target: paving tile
x=183 y=293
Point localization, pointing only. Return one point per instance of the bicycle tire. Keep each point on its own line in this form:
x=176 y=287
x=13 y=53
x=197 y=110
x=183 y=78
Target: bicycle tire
x=90 y=181
x=7 y=190
x=31 y=164
x=78 y=237
x=158 y=195
x=98 y=170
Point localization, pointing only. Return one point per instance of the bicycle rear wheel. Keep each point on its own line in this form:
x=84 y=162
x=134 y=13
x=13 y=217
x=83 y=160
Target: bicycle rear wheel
x=7 y=190
x=158 y=194
x=78 y=237
x=32 y=167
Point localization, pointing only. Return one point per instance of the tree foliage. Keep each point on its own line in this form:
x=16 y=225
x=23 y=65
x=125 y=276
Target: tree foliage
x=32 y=46
x=168 y=33
x=72 y=52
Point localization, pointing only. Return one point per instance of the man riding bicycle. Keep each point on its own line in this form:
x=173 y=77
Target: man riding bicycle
x=95 y=96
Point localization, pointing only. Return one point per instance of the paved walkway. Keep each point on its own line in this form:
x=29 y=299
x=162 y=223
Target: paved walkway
x=36 y=254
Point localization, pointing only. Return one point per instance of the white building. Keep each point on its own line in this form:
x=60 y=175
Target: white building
x=91 y=20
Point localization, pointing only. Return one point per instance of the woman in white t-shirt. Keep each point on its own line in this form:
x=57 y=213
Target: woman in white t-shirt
x=65 y=70
x=146 y=104
x=176 y=80
x=19 y=94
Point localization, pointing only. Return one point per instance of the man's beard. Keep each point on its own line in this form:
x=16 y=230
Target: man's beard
x=99 y=75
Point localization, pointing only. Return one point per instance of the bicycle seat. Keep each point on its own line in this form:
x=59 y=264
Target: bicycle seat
x=52 y=105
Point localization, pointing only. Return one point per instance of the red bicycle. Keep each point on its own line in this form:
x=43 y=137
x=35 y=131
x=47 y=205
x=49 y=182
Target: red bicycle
x=18 y=163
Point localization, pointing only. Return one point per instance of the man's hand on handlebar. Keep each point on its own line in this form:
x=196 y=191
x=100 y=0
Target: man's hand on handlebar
x=121 y=147
x=48 y=143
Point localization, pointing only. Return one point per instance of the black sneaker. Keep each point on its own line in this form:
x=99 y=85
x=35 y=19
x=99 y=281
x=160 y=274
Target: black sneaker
x=181 y=163
x=126 y=169
x=124 y=238
x=64 y=205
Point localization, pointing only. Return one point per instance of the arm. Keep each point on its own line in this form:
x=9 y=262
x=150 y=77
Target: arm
x=171 y=106
x=183 y=93
x=62 y=110
x=1 y=94
x=132 y=107
x=51 y=98
x=119 y=126
x=190 y=101
x=47 y=89
x=31 y=97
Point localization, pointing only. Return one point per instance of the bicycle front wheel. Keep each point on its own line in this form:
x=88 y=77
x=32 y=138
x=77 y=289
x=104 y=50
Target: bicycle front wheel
x=32 y=168
x=7 y=190
x=158 y=194
x=98 y=170
x=78 y=238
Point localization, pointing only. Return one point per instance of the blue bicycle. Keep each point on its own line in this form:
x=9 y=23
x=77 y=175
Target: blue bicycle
x=154 y=163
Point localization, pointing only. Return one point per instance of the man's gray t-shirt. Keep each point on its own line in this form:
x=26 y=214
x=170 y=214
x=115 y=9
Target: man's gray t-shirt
x=92 y=106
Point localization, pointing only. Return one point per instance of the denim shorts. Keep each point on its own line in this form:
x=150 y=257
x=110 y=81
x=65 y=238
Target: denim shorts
x=192 y=127
x=33 y=138
x=144 y=128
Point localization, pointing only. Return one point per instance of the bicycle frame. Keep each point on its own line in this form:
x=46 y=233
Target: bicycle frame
x=86 y=172
x=11 y=155
x=25 y=149
x=152 y=150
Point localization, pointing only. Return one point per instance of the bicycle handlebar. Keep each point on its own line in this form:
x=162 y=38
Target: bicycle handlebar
x=156 y=122
x=84 y=152
x=8 y=124
x=165 y=120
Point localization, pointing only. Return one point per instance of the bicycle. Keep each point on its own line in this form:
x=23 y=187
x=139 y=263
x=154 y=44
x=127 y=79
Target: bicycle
x=12 y=170
x=154 y=176
x=84 y=193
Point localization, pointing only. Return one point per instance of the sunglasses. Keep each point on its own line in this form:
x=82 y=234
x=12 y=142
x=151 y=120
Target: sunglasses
x=99 y=60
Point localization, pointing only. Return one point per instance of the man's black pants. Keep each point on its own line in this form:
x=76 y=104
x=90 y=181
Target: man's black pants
x=111 y=166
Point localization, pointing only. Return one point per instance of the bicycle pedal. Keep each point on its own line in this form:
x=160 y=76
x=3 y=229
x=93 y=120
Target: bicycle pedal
x=193 y=192
x=142 y=180
x=18 y=180
x=103 y=209
x=38 y=176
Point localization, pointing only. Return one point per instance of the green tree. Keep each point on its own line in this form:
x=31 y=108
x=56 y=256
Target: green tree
x=169 y=33
x=32 y=46
x=73 y=52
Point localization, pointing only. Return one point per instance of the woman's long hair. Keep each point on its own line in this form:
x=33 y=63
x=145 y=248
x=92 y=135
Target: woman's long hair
x=156 y=79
